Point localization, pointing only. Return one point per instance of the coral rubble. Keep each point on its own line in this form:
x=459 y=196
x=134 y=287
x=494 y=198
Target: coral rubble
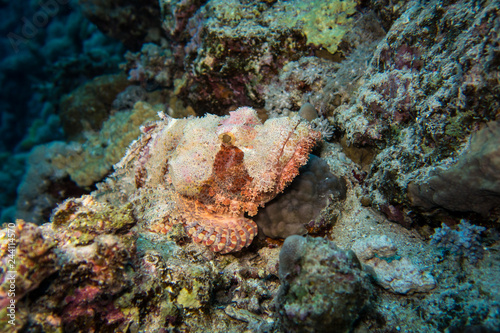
x=392 y=272
x=466 y=242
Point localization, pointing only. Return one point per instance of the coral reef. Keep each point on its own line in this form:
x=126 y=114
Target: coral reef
x=128 y=97
x=308 y=304
x=323 y=24
x=89 y=161
x=207 y=173
x=464 y=299
x=36 y=259
x=153 y=66
x=44 y=185
x=299 y=208
x=48 y=49
x=227 y=48
x=99 y=274
x=470 y=184
x=322 y=80
x=88 y=246
x=395 y=94
x=42 y=60
x=404 y=94
x=419 y=99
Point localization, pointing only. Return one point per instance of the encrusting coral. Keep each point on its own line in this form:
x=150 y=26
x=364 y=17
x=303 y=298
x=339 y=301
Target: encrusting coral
x=206 y=173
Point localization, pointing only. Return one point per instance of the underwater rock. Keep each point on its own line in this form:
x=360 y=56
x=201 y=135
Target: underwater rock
x=128 y=97
x=85 y=218
x=94 y=272
x=392 y=272
x=471 y=184
x=153 y=66
x=90 y=247
x=131 y=22
x=89 y=105
x=425 y=89
x=299 y=208
x=206 y=173
x=175 y=15
x=44 y=184
x=419 y=68
x=84 y=258
x=323 y=288
x=90 y=161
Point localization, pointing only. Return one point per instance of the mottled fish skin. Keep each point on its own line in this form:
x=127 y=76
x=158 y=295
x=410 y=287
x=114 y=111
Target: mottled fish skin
x=208 y=172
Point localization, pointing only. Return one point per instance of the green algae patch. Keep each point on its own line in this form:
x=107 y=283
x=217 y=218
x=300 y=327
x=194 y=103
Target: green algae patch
x=189 y=298
x=324 y=23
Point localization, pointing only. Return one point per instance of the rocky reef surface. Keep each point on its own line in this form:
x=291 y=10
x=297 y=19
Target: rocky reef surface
x=254 y=166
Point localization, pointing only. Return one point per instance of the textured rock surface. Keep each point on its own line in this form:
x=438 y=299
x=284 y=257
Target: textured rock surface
x=44 y=185
x=464 y=243
x=420 y=100
x=90 y=161
x=322 y=287
x=396 y=102
x=35 y=256
x=226 y=47
x=59 y=170
x=470 y=184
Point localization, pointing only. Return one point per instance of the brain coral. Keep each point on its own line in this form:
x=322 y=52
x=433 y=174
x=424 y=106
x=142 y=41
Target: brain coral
x=299 y=208
x=206 y=173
